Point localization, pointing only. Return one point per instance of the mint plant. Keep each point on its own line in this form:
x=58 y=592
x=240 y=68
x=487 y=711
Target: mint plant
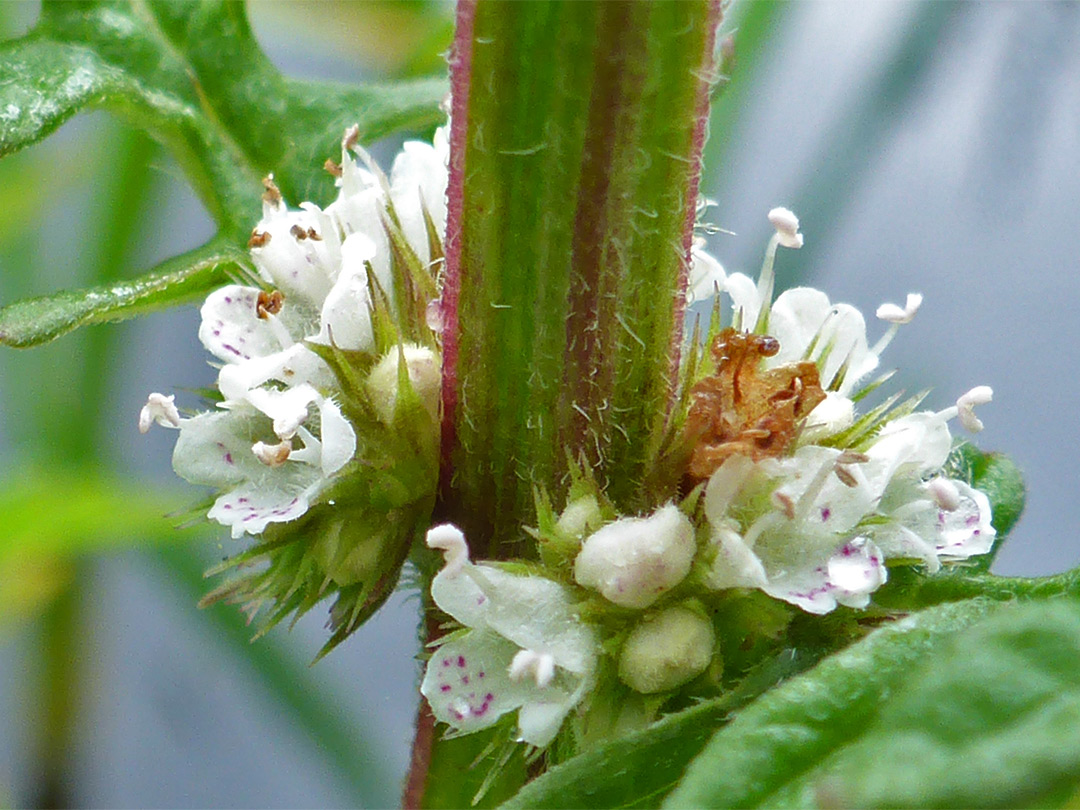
x=661 y=561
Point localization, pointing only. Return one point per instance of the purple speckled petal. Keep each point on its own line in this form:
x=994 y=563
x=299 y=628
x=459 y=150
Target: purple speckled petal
x=249 y=509
x=231 y=328
x=966 y=531
x=467 y=681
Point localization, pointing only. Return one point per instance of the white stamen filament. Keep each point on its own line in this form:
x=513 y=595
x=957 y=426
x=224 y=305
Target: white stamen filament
x=965 y=407
x=817 y=483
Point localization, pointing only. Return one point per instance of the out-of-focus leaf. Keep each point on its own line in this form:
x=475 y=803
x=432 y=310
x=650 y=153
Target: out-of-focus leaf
x=960 y=706
x=51 y=521
x=192 y=75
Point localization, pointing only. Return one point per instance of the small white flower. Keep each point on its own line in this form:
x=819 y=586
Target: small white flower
x=634 y=561
x=979 y=395
x=525 y=649
x=161 y=409
x=787 y=227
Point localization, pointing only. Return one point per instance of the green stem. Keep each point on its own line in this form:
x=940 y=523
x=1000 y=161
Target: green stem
x=572 y=195
x=576 y=139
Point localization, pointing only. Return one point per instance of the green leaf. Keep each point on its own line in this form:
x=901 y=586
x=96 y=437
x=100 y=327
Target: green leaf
x=571 y=202
x=190 y=74
x=638 y=770
x=960 y=706
x=183 y=278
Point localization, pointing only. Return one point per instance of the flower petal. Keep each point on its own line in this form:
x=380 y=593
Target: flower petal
x=966 y=530
x=287 y=408
x=293 y=366
x=707 y=276
x=250 y=508
x=744 y=298
x=735 y=565
x=345 y=321
x=338 y=437
x=419 y=177
x=215 y=448
x=467 y=683
x=634 y=561
x=231 y=328
x=297 y=257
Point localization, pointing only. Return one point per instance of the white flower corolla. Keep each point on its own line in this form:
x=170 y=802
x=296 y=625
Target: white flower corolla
x=524 y=649
x=634 y=561
x=417 y=182
x=279 y=437
x=531 y=664
x=833 y=414
x=666 y=650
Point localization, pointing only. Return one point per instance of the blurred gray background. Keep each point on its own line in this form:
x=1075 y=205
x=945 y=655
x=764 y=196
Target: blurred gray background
x=931 y=147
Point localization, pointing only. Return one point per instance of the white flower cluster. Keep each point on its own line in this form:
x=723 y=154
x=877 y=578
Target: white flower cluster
x=811 y=524
x=279 y=437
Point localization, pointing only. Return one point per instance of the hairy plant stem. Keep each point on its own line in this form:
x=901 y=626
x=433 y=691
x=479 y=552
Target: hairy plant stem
x=576 y=137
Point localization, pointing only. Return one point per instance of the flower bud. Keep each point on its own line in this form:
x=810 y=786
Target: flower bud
x=666 y=651
x=579 y=516
x=424 y=374
x=634 y=560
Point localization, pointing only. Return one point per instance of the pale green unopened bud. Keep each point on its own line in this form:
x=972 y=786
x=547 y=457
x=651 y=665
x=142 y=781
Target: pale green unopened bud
x=666 y=651
x=579 y=517
x=424 y=374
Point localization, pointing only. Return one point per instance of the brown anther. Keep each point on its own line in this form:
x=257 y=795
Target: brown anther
x=852 y=457
x=786 y=504
x=272 y=455
x=745 y=410
x=313 y=235
x=352 y=135
x=268 y=304
x=258 y=238
x=298 y=233
x=846 y=477
x=333 y=168
x=272 y=194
